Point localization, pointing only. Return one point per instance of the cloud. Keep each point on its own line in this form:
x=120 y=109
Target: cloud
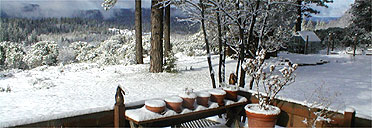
x=335 y=9
x=61 y=8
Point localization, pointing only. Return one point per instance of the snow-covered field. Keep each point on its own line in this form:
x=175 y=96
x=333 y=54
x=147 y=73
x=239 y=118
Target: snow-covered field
x=53 y=92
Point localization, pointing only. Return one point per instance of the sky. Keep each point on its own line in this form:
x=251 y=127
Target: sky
x=66 y=7
x=335 y=9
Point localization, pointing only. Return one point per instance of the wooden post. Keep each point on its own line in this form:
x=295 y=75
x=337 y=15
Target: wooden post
x=349 y=117
x=306 y=44
x=119 y=109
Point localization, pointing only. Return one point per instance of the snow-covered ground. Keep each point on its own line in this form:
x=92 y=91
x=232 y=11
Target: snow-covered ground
x=53 y=92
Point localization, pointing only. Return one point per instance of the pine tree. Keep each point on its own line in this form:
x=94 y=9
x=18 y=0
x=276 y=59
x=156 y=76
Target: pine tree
x=362 y=12
x=310 y=26
x=156 y=54
x=138 y=26
x=304 y=9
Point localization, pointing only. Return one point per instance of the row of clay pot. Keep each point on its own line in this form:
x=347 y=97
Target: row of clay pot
x=188 y=100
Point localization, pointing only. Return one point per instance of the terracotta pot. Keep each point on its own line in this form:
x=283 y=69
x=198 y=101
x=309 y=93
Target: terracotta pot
x=175 y=106
x=218 y=96
x=203 y=98
x=155 y=109
x=188 y=103
x=174 y=103
x=256 y=119
x=203 y=101
x=231 y=94
x=219 y=99
x=157 y=106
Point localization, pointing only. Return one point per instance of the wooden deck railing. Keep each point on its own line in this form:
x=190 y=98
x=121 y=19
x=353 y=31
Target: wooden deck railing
x=292 y=115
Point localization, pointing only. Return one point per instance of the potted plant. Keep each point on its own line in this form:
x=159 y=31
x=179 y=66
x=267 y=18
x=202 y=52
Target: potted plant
x=268 y=82
x=203 y=98
x=174 y=103
x=188 y=97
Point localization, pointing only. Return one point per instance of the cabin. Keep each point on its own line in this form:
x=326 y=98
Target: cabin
x=305 y=42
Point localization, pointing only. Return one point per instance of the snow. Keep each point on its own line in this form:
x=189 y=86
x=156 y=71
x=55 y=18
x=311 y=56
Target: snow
x=52 y=92
x=254 y=108
x=142 y=114
x=349 y=109
x=190 y=95
x=231 y=88
x=240 y=99
x=203 y=94
x=174 y=99
x=155 y=103
x=217 y=92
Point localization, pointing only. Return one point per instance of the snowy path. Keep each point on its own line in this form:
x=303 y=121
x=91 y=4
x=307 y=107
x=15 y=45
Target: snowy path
x=60 y=91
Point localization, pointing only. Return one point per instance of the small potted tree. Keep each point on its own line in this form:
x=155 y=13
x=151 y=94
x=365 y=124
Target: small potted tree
x=268 y=82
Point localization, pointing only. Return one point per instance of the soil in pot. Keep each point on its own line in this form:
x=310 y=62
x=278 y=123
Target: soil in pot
x=203 y=98
x=157 y=106
x=188 y=100
x=261 y=118
x=174 y=103
x=218 y=96
x=231 y=92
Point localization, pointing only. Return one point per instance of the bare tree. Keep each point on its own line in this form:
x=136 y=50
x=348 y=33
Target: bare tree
x=207 y=45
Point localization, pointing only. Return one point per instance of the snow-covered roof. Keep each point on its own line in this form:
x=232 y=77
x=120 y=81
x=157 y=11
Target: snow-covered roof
x=312 y=36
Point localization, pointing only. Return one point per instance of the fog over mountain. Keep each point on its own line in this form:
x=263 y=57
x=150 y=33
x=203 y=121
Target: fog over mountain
x=60 y=8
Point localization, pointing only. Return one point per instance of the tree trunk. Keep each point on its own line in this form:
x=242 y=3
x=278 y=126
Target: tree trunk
x=306 y=45
x=167 y=45
x=355 y=43
x=162 y=31
x=138 y=26
x=207 y=45
x=156 y=54
x=250 y=36
x=220 y=75
x=241 y=38
x=329 y=43
x=333 y=43
x=299 y=15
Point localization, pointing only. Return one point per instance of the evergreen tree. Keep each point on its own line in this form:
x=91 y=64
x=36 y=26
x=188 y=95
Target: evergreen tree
x=304 y=9
x=362 y=12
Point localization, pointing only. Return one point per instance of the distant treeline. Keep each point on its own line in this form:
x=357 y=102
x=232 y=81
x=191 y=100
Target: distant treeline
x=26 y=30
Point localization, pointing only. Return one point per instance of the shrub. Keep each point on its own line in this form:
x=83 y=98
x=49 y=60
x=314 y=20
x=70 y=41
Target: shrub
x=11 y=56
x=66 y=55
x=42 y=53
x=170 y=65
x=82 y=51
x=119 y=49
x=192 y=45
